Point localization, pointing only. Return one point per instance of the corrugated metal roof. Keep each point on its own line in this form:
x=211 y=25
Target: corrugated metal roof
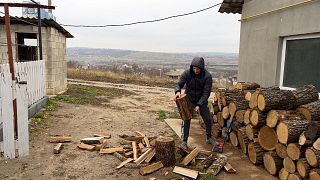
x=44 y=23
x=231 y=6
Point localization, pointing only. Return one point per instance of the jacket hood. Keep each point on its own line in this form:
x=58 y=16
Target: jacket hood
x=198 y=62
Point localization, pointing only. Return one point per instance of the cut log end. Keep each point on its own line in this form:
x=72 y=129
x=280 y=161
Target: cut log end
x=268 y=138
x=272 y=162
x=282 y=132
x=261 y=103
x=312 y=156
x=272 y=118
x=289 y=165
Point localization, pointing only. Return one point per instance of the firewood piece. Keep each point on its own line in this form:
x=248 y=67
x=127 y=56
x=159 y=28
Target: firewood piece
x=246 y=117
x=294 y=176
x=190 y=156
x=92 y=140
x=60 y=139
x=247 y=86
x=258 y=119
x=253 y=103
x=103 y=134
x=57 y=149
x=281 y=150
x=268 y=138
x=104 y=144
x=316 y=144
x=184 y=107
x=225 y=113
x=276 y=116
x=289 y=165
x=186 y=172
x=289 y=130
x=143 y=156
x=141 y=147
x=240 y=115
x=313 y=130
x=150 y=155
x=86 y=147
x=151 y=168
x=125 y=142
x=303 y=168
x=295 y=151
x=234 y=139
x=135 y=150
x=248 y=95
x=128 y=154
x=243 y=139
x=165 y=151
x=311 y=111
x=111 y=150
x=205 y=153
x=272 y=162
x=217 y=165
x=283 y=174
x=306 y=94
x=216 y=130
x=208 y=161
x=255 y=153
x=134 y=138
x=314 y=174
x=229 y=169
x=124 y=163
x=303 y=141
x=313 y=157
x=235 y=125
x=276 y=99
x=251 y=132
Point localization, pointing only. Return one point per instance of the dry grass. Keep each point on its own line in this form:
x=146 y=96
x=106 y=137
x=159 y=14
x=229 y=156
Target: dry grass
x=107 y=76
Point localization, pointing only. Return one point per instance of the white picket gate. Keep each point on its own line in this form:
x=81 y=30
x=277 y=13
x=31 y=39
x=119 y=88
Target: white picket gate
x=27 y=89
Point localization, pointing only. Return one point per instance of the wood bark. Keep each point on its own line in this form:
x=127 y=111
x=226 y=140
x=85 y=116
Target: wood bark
x=281 y=150
x=240 y=115
x=313 y=157
x=258 y=119
x=272 y=162
x=243 y=139
x=251 y=131
x=289 y=165
x=165 y=151
x=295 y=151
x=288 y=131
x=246 y=117
x=217 y=165
x=304 y=141
x=283 y=174
x=276 y=116
x=316 y=144
x=240 y=104
x=314 y=174
x=268 y=138
x=311 y=111
x=276 y=99
x=184 y=107
x=234 y=139
x=306 y=94
x=303 y=168
x=247 y=86
x=313 y=130
x=255 y=153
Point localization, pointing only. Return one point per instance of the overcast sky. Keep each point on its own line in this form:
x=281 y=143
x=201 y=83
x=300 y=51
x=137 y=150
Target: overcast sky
x=207 y=31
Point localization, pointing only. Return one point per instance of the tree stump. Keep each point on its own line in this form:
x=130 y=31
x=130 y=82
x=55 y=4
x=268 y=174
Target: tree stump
x=276 y=99
x=251 y=132
x=165 y=151
x=184 y=107
x=306 y=94
x=258 y=119
x=272 y=162
x=268 y=138
x=295 y=151
x=289 y=165
x=313 y=157
x=234 y=139
x=311 y=111
x=283 y=174
x=281 y=150
x=243 y=139
x=275 y=116
x=314 y=174
x=289 y=130
x=255 y=153
x=303 y=168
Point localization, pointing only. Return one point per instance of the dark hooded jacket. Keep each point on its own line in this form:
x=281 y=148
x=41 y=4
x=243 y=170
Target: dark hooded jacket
x=198 y=87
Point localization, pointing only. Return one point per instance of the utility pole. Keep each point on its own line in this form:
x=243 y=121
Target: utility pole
x=39 y=30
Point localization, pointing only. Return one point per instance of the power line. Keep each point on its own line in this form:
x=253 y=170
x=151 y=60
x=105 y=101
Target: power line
x=141 y=22
x=20 y=19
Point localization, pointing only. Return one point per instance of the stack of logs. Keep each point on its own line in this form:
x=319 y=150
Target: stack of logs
x=279 y=129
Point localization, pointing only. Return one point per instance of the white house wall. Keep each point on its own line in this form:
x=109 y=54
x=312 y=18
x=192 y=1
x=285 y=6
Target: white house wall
x=261 y=37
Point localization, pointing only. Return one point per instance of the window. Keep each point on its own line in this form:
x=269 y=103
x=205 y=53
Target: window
x=300 y=63
x=27 y=49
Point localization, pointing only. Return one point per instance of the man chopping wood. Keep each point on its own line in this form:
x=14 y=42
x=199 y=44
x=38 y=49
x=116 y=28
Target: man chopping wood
x=198 y=83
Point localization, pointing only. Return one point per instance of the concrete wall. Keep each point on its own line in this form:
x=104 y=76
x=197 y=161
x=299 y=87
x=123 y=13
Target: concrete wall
x=261 y=37
x=54 y=54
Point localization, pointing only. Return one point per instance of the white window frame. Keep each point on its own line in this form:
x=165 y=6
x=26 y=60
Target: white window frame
x=283 y=56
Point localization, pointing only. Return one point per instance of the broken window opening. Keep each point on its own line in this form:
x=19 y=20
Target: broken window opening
x=27 y=48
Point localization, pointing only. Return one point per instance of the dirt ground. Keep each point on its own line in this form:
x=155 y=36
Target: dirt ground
x=135 y=109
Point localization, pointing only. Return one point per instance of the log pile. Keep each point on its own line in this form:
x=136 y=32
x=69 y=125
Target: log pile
x=277 y=128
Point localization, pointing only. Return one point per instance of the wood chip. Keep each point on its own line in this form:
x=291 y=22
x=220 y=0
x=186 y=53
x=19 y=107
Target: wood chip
x=190 y=156
x=60 y=139
x=151 y=168
x=229 y=169
x=57 y=149
x=111 y=150
x=124 y=163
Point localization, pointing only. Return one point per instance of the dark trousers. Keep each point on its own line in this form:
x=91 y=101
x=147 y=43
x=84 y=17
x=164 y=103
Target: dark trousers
x=205 y=114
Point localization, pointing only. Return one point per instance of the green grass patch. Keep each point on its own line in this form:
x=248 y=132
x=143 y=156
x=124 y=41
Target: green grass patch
x=162 y=115
x=208 y=177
